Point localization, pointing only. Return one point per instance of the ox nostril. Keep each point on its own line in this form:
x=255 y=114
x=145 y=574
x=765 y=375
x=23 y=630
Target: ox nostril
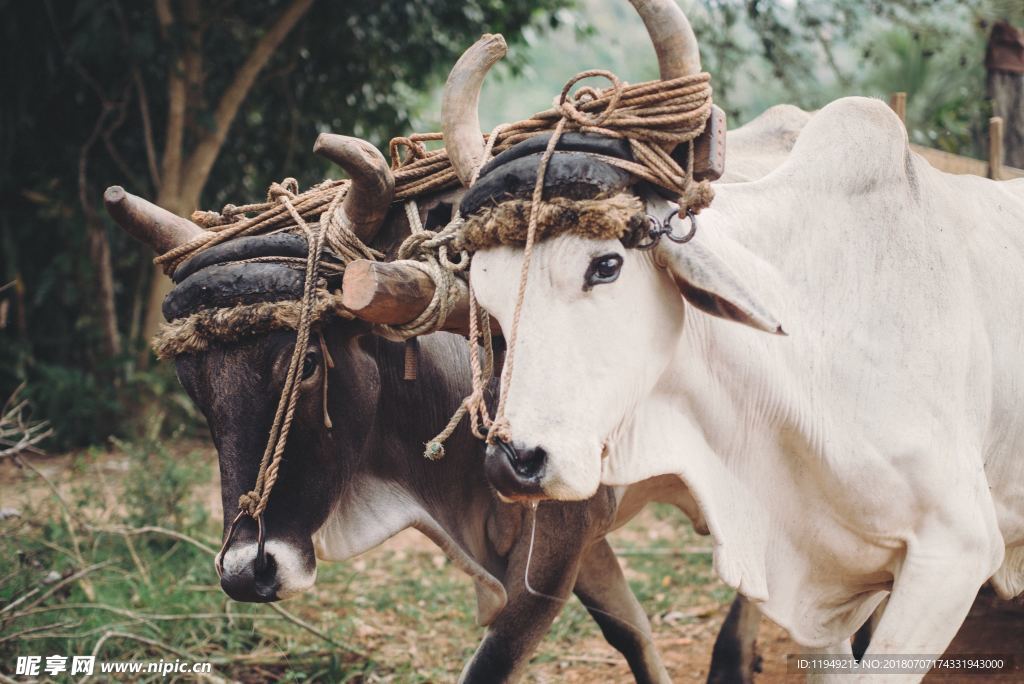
x=515 y=472
x=265 y=573
x=529 y=463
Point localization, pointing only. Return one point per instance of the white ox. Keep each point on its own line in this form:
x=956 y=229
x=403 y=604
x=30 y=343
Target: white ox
x=878 y=448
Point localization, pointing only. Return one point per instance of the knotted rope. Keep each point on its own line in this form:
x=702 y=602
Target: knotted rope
x=427 y=251
x=652 y=116
x=283 y=210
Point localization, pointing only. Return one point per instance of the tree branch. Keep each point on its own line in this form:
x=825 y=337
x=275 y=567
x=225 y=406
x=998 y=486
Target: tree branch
x=16 y=433
x=152 y=163
x=170 y=172
x=99 y=246
x=147 y=128
x=191 y=20
x=199 y=164
x=121 y=108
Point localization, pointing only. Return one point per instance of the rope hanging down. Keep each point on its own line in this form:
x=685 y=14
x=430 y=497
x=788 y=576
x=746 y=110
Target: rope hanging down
x=254 y=502
x=652 y=116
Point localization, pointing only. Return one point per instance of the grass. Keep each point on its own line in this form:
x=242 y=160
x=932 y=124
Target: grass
x=111 y=553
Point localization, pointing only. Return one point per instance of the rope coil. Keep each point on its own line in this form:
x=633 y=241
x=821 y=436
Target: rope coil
x=651 y=115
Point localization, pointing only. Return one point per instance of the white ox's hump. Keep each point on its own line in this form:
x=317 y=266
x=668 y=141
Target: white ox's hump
x=762 y=144
x=853 y=145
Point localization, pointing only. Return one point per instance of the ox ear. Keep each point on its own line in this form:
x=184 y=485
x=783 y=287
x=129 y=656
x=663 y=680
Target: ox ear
x=706 y=281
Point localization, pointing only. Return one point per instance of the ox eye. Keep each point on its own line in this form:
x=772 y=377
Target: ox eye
x=309 y=365
x=602 y=269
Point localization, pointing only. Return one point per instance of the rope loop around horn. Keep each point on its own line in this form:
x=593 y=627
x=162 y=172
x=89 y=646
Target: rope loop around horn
x=568 y=105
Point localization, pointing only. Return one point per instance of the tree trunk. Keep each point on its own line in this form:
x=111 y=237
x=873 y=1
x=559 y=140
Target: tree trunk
x=183 y=179
x=99 y=249
x=1005 y=63
x=1007 y=93
x=103 y=279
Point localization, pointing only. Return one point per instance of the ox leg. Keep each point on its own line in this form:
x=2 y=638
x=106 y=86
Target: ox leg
x=931 y=597
x=603 y=590
x=734 y=658
x=561 y=535
x=842 y=650
x=862 y=637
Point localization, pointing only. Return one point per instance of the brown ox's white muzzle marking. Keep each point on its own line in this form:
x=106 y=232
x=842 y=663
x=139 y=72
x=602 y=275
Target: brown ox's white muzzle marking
x=284 y=573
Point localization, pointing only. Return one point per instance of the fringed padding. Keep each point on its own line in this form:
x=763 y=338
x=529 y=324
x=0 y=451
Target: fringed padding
x=197 y=332
x=612 y=218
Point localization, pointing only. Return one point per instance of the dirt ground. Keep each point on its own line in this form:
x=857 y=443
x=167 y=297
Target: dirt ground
x=685 y=638
x=406 y=606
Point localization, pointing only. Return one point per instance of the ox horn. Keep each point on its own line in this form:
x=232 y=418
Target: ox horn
x=460 y=120
x=373 y=184
x=145 y=221
x=672 y=36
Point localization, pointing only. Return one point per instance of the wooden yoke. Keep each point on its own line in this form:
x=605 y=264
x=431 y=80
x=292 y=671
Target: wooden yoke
x=395 y=293
x=708 y=148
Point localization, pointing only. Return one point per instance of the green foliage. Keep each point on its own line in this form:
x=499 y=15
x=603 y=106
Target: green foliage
x=763 y=52
x=80 y=404
x=162 y=500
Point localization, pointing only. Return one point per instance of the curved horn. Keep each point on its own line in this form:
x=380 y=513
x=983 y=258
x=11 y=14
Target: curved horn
x=145 y=221
x=460 y=121
x=373 y=185
x=672 y=36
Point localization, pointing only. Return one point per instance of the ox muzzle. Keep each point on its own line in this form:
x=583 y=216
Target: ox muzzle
x=515 y=470
x=284 y=569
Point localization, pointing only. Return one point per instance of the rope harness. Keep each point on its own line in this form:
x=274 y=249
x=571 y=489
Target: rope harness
x=653 y=117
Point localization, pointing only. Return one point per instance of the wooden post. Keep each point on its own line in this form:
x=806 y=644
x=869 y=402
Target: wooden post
x=898 y=102
x=995 y=148
x=1004 y=60
x=385 y=292
x=395 y=293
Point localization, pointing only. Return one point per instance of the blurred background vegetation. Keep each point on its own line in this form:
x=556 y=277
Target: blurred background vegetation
x=197 y=104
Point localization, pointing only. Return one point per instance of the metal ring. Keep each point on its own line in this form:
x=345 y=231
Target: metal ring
x=219 y=563
x=654 y=232
x=686 y=238
x=261 y=538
